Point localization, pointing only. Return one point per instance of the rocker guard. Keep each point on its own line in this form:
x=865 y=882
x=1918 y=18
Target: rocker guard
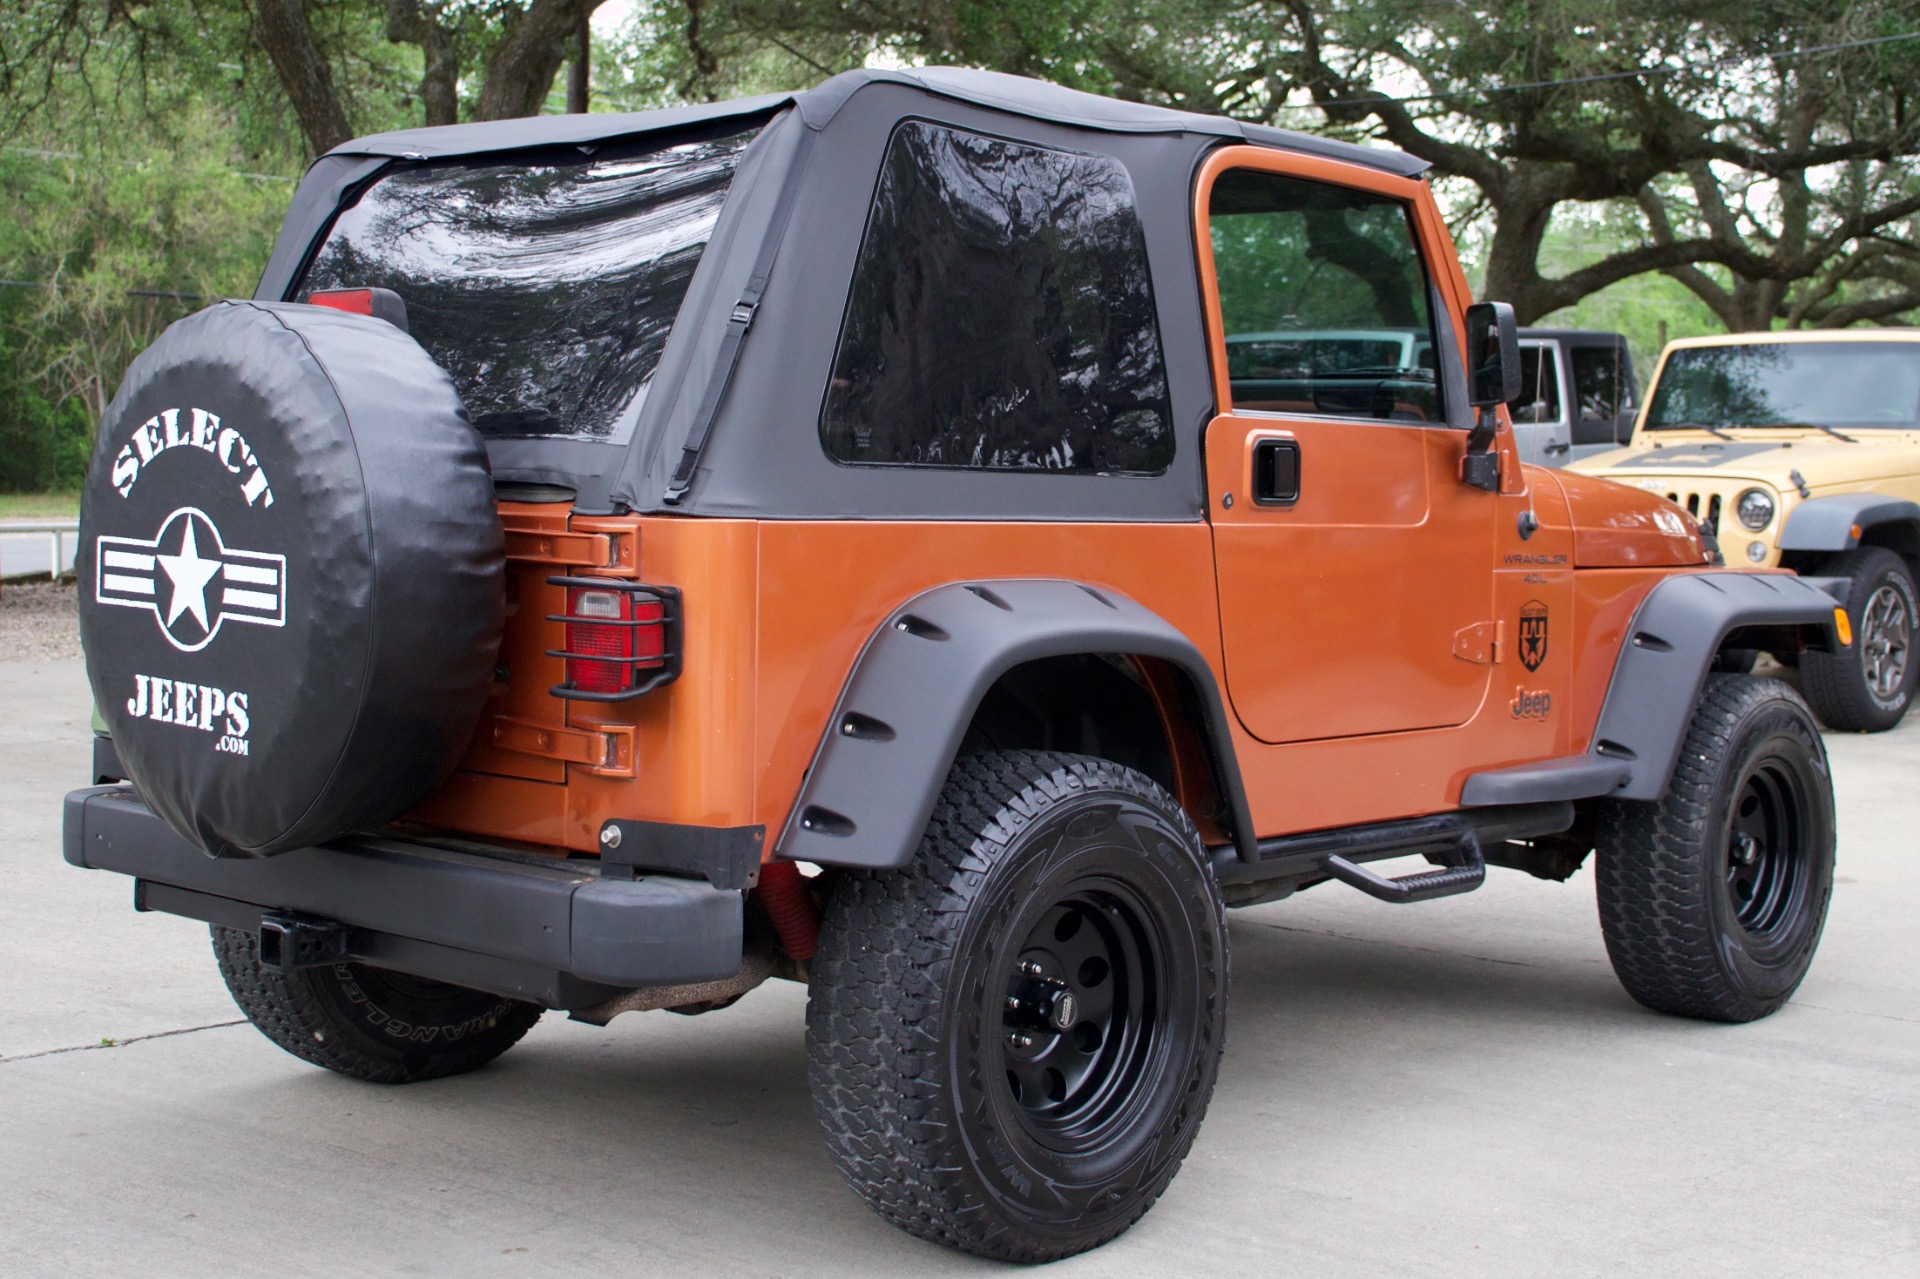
x=522 y=925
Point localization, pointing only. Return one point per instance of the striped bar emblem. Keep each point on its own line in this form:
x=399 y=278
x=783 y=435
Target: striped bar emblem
x=190 y=580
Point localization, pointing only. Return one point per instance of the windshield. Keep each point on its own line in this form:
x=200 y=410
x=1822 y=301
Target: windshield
x=546 y=287
x=1832 y=384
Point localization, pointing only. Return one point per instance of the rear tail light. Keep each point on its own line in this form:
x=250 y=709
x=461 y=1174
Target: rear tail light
x=381 y=304
x=623 y=639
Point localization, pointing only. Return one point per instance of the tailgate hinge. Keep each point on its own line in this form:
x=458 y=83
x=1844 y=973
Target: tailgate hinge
x=1480 y=643
x=605 y=546
x=606 y=750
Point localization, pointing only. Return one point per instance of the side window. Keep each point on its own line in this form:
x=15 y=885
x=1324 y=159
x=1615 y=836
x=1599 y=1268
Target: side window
x=1539 y=385
x=1596 y=383
x=1001 y=316
x=1323 y=300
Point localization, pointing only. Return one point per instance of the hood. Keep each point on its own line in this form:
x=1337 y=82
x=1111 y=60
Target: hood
x=1618 y=527
x=1766 y=456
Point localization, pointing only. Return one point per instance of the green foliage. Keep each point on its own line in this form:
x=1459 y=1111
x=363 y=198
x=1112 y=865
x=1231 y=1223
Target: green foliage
x=43 y=445
x=129 y=126
x=1649 y=309
x=139 y=210
x=39 y=506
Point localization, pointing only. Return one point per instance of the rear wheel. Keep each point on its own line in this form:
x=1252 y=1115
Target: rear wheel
x=370 y=1023
x=1012 y=1041
x=1868 y=687
x=1712 y=899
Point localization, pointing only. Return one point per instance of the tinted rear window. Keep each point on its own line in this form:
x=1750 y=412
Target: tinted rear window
x=545 y=287
x=1001 y=315
x=1601 y=382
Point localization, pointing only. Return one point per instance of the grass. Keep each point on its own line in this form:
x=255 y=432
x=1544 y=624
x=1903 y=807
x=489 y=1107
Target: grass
x=39 y=506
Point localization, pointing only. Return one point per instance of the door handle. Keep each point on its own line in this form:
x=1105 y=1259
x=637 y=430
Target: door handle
x=1276 y=472
x=1558 y=448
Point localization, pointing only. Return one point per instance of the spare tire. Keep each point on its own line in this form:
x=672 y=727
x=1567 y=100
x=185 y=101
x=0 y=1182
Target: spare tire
x=291 y=575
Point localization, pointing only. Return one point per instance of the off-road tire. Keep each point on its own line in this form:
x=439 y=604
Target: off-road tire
x=371 y=1024
x=1868 y=687
x=1697 y=923
x=914 y=1053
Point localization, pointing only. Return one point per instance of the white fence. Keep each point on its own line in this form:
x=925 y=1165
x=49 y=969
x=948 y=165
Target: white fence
x=37 y=546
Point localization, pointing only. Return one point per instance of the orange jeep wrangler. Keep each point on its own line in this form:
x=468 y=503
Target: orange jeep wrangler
x=615 y=559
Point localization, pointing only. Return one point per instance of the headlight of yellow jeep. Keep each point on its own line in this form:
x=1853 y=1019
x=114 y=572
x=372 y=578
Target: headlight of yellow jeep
x=1755 y=509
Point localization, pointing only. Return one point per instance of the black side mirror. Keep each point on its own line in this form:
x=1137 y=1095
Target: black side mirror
x=1493 y=355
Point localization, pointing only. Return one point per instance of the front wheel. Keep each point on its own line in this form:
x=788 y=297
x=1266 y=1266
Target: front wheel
x=1012 y=1041
x=1868 y=687
x=1713 y=898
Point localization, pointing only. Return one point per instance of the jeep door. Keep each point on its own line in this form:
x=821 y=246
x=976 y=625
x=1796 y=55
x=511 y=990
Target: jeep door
x=1350 y=560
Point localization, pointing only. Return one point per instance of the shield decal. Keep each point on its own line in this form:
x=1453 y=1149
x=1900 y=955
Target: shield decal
x=1533 y=634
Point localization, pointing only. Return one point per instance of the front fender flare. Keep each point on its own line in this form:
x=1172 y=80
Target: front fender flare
x=1668 y=651
x=1829 y=523
x=905 y=708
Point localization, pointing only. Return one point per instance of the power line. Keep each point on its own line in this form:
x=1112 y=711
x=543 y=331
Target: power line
x=1718 y=65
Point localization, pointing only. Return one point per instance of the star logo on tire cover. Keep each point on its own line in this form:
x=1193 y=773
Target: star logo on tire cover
x=190 y=580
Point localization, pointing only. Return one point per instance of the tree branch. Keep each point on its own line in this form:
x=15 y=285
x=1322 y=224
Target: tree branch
x=287 y=36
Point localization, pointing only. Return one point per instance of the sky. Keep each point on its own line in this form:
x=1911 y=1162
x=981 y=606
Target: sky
x=607 y=19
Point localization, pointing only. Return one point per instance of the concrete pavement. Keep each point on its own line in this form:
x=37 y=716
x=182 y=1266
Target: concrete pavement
x=1458 y=1088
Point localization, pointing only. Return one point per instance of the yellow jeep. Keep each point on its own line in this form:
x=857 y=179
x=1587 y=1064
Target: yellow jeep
x=1802 y=451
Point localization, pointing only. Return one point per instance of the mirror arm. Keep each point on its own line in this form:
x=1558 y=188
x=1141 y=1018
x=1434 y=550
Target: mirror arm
x=1485 y=426
x=1480 y=468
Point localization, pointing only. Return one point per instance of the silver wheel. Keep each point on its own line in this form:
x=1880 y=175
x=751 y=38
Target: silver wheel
x=1885 y=640
x=1866 y=686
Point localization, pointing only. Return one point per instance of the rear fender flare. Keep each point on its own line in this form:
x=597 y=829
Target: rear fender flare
x=1669 y=649
x=906 y=705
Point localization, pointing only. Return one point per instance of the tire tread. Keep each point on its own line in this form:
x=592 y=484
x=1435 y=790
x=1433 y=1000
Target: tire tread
x=284 y=1008
x=876 y=988
x=1653 y=873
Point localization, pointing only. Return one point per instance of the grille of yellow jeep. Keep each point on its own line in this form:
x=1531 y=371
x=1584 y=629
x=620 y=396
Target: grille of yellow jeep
x=1704 y=507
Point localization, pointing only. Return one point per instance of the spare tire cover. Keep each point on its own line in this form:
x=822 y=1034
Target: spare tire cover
x=291 y=575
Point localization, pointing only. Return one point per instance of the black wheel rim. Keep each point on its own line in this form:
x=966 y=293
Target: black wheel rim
x=1766 y=855
x=1081 y=1016
x=1886 y=636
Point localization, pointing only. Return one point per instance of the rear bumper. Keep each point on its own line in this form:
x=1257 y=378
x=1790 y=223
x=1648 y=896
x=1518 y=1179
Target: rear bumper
x=537 y=928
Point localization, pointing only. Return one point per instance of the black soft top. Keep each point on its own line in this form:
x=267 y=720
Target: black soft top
x=822 y=148
x=1016 y=95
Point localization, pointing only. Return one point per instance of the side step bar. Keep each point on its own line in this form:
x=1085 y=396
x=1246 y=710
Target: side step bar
x=1469 y=874
x=1455 y=840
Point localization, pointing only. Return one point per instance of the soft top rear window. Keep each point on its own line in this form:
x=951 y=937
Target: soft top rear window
x=545 y=285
